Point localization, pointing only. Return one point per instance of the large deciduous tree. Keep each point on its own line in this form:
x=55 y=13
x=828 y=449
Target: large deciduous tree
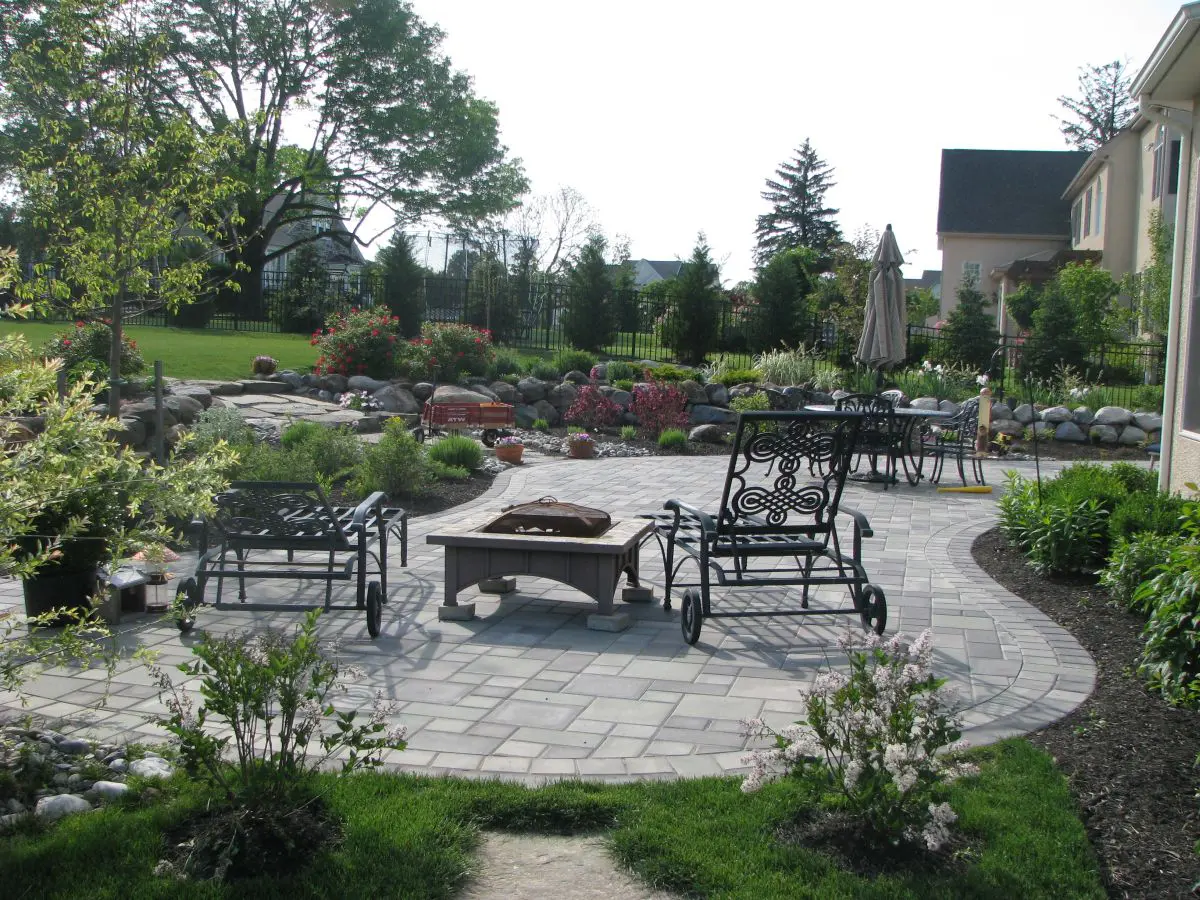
x=1101 y=109
x=798 y=216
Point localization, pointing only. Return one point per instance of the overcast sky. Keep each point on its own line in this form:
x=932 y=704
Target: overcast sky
x=669 y=115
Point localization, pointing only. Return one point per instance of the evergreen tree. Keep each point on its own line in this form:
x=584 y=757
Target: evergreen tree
x=798 y=216
x=403 y=283
x=590 y=320
x=690 y=326
x=305 y=301
x=780 y=312
x=969 y=332
x=1103 y=108
x=1054 y=342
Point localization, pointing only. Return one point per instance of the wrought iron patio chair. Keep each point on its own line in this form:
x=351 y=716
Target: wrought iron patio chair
x=274 y=517
x=954 y=438
x=880 y=435
x=770 y=512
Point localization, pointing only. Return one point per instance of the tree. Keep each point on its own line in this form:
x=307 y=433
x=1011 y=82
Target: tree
x=305 y=301
x=558 y=225
x=1091 y=291
x=1023 y=304
x=690 y=327
x=123 y=186
x=971 y=337
x=392 y=124
x=1054 y=343
x=1151 y=287
x=920 y=304
x=625 y=293
x=780 y=311
x=842 y=295
x=490 y=301
x=590 y=320
x=403 y=282
x=798 y=216
x=1103 y=107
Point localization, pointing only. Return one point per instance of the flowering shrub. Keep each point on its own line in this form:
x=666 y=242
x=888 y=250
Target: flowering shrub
x=87 y=346
x=592 y=409
x=444 y=350
x=872 y=736
x=659 y=406
x=264 y=365
x=358 y=342
x=359 y=400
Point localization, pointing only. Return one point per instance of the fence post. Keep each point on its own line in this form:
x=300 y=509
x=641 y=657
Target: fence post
x=160 y=439
x=61 y=383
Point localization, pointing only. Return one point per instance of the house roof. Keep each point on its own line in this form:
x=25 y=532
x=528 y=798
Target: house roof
x=337 y=246
x=1008 y=192
x=929 y=278
x=1169 y=75
x=1100 y=156
x=666 y=268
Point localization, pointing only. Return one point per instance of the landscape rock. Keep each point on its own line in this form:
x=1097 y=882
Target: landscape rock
x=622 y=398
x=334 y=383
x=197 y=392
x=225 y=388
x=694 y=390
x=576 y=377
x=924 y=403
x=481 y=387
x=1024 y=414
x=718 y=394
x=393 y=398
x=132 y=432
x=369 y=424
x=707 y=434
x=546 y=410
x=1131 y=436
x=600 y=370
x=185 y=409
x=119 y=765
x=1113 y=415
x=51 y=809
x=251 y=386
x=532 y=389
x=703 y=414
x=422 y=390
x=562 y=396
x=365 y=383
x=1084 y=416
x=525 y=416
x=505 y=392
x=1102 y=434
x=1057 y=414
x=326 y=396
x=1001 y=411
x=949 y=406
x=74 y=747
x=1148 y=421
x=1011 y=427
x=174 y=435
x=151 y=767
x=292 y=378
x=453 y=393
x=143 y=411
x=1069 y=431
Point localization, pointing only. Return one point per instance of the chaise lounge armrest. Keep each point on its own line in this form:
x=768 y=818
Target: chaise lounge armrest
x=363 y=510
x=860 y=521
x=681 y=509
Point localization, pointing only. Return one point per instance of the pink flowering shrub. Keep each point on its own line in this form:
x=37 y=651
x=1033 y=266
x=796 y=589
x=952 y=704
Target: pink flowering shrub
x=872 y=736
x=659 y=406
x=592 y=409
x=358 y=342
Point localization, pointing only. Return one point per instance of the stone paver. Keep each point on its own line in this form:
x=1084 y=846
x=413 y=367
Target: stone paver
x=525 y=691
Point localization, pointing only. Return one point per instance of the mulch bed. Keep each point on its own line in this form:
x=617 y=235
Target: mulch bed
x=1129 y=757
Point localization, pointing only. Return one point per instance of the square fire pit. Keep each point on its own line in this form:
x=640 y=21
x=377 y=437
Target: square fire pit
x=593 y=565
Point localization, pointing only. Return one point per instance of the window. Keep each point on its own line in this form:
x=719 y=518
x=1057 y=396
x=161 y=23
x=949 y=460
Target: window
x=971 y=272
x=1087 y=213
x=1158 y=163
x=1173 y=169
x=1099 y=204
x=1076 y=220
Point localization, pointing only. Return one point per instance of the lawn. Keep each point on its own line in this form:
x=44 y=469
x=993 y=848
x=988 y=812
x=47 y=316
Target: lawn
x=190 y=353
x=414 y=837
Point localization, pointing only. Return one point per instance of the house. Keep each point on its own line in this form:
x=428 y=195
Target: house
x=337 y=248
x=1002 y=219
x=930 y=280
x=648 y=271
x=1167 y=89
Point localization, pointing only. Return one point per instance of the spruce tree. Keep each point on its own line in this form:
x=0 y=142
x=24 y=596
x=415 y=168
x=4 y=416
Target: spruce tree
x=690 y=326
x=590 y=321
x=403 y=283
x=970 y=334
x=798 y=216
x=1054 y=342
x=780 y=312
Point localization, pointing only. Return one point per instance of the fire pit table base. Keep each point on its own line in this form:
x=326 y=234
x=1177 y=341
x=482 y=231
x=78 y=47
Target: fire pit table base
x=591 y=565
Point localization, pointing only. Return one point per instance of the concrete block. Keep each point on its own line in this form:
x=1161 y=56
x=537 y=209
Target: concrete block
x=615 y=622
x=461 y=613
x=498 y=585
x=637 y=595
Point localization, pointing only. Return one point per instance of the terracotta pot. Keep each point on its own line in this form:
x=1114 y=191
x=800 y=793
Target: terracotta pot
x=581 y=451
x=510 y=453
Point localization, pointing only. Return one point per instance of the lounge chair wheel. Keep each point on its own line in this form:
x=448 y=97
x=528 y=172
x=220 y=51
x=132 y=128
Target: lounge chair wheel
x=872 y=608
x=691 y=616
x=489 y=437
x=186 y=600
x=374 y=608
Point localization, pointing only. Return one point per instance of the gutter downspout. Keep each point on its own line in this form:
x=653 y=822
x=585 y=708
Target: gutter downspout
x=1170 y=374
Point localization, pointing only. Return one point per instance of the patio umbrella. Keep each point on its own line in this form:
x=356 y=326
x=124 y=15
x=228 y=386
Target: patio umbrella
x=883 y=338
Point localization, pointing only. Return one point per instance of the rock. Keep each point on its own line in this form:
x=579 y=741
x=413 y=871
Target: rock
x=74 y=747
x=1001 y=411
x=422 y=390
x=252 y=386
x=694 y=390
x=295 y=380
x=703 y=414
x=51 y=809
x=15 y=806
x=532 y=389
x=1024 y=414
x=364 y=383
x=186 y=409
x=1083 y=416
x=562 y=396
x=144 y=412
x=921 y=403
x=840 y=394
x=576 y=377
x=151 y=767
x=483 y=388
x=622 y=398
x=1040 y=428
x=225 y=388
x=11 y=820
x=326 y=396
x=1011 y=427
x=132 y=432
x=309 y=380
x=1057 y=414
x=453 y=393
x=197 y=392
x=1069 y=431
x=707 y=434
x=119 y=765
x=1113 y=415
x=109 y=790
x=334 y=383
x=718 y=394
x=1132 y=436
x=949 y=406
x=824 y=399
x=600 y=370
x=1102 y=434
x=525 y=416
x=393 y=398
x=174 y=435
x=546 y=410
x=1148 y=421
x=369 y=424
x=505 y=392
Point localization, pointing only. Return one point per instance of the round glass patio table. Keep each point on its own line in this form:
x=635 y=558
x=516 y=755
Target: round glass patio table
x=914 y=421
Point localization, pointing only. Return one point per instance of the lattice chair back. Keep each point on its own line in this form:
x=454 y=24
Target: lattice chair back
x=878 y=423
x=278 y=510
x=787 y=472
x=966 y=420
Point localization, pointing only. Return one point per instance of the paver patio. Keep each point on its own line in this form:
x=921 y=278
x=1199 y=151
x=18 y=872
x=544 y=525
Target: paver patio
x=526 y=691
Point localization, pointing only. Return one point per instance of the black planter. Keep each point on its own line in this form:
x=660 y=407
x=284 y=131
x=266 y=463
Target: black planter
x=60 y=592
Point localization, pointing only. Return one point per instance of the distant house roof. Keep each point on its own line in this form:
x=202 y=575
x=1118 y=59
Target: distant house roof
x=929 y=278
x=647 y=271
x=336 y=246
x=1010 y=192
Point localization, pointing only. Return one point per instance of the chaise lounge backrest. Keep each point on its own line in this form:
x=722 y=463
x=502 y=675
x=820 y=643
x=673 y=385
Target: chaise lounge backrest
x=285 y=515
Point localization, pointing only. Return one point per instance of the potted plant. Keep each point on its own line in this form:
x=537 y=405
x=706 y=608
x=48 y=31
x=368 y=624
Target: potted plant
x=581 y=445
x=153 y=560
x=510 y=450
x=264 y=365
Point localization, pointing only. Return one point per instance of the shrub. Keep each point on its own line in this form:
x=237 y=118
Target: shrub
x=1148 y=511
x=457 y=451
x=659 y=406
x=441 y=471
x=969 y=333
x=739 y=376
x=397 y=465
x=335 y=452
x=590 y=315
x=1066 y=529
x=444 y=350
x=623 y=384
x=220 y=423
x=673 y=439
x=690 y=327
x=872 y=739
x=618 y=370
x=573 y=361
x=262 y=462
x=545 y=371
x=540 y=425
x=628 y=432
x=358 y=342
x=1133 y=560
x=86 y=347
x=1134 y=478
x=299 y=433
x=504 y=362
x=592 y=409
x=672 y=374
x=307 y=297
x=785 y=367
x=757 y=400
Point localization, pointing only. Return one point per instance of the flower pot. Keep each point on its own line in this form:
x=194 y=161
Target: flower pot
x=62 y=591
x=581 y=451
x=510 y=453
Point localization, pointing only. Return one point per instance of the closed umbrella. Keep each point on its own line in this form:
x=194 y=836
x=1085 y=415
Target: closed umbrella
x=883 y=338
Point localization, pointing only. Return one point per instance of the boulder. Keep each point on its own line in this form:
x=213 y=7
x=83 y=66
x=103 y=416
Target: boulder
x=576 y=377
x=481 y=388
x=793 y=391
x=949 y=406
x=924 y=403
x=600 y=370
x=546 y=410
x=364 y=383
x=1024 y=414
x=393 y=398
x=532 y=389
x=1131 y=436
x=561 y=396
x=622 y=398
x=839 y=394
x=51 y=809
x=1069 y=431
x=74 y=746
x=174 y=435
x=707 y=434
x=225 y=388
x=1001 y=412
x=309 y=380
x=694 y=390
x=151 y=767
x=109 y=790
x=717 y=393
x=1011 y=427
x=1113 y=415
x=252 y=386
x=1040 y=428
x=292 y=378
x=144 y=412
x=1148 y=421
x=132 y=433
x=1102 y=434
x=186 y=409
x=368 y=424
x=197 y=392
x=334 y=383
x=1057 y=414
x=504 y=392
x=525 y=416
x=824 y=399
x=422 y=390
x=326 y=396
x=704 y=414
x=1084 y=416
x=453 y=393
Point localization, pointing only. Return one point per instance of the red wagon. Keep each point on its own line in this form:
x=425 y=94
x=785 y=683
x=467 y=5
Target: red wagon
x=493 y=418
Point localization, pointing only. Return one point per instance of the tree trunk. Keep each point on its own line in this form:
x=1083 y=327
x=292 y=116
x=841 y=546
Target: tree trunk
x=114 y=353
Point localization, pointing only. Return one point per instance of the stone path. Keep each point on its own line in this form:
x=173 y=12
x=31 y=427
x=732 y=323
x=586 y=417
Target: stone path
x=527 y=692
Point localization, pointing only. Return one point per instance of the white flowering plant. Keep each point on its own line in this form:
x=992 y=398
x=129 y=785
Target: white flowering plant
x=359 y=400
x=274 y=697
x=873 y=737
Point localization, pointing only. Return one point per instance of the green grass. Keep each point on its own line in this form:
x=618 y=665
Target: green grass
x=188 y=353
x=414 y=837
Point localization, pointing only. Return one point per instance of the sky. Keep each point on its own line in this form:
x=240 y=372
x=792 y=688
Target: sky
x=668 y=116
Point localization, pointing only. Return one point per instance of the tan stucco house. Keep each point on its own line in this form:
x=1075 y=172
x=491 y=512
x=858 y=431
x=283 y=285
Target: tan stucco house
x=1168 y=89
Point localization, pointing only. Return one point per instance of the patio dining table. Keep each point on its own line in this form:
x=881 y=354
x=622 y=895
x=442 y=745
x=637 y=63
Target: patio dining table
x=913 y=458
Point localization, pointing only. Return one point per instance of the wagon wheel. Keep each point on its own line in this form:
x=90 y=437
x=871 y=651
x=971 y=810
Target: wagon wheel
x=872 y=608
x=374 y=608
x=691 y=615
x=187 y=598
x=418 y=434
x=489 y=437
